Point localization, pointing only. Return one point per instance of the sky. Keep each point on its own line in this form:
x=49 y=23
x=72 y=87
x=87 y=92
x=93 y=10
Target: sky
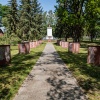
x=46 y=4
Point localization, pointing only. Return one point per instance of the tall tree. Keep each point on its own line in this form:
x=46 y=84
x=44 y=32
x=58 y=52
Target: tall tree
x=62 y=21
x=44 y=24
x=92 y=16
x=24 y=24
x=4 y=9
x=13 y=17
x=30 y=19
x=70 y=14
x=37 y=19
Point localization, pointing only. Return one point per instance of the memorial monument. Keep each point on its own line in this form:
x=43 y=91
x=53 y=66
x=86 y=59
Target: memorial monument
x=49 y=33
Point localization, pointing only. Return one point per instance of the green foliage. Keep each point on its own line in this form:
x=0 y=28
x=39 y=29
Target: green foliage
x=3 y=10
x=4 y=40
x=77 y=16
x=12 y=39
x=12 y=17
x=92 y=15
x=27 y=20
x=3 y=13
x=30 y=20
x=24 y=20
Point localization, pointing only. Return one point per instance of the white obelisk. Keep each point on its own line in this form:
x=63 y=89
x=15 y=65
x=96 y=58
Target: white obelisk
x=49 y=33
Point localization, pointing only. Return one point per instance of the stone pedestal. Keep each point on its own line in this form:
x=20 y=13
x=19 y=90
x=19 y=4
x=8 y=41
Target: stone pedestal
x=24 y=47
x=5 y=55
x=93 y=55
x=64 y=44
x=74 y=47
x=31 y=45
x=34 y=44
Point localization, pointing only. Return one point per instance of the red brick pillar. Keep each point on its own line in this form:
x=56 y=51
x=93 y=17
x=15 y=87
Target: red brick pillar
x=5 y=55
x=34 y=44
x=93 y=55
x=24 y=47
x=31 y=44
x=63 y=44
x=66 y=44
x=74 y=47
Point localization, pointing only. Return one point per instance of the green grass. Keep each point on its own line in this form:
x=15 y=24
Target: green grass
x=88 y=76
x=12 y=76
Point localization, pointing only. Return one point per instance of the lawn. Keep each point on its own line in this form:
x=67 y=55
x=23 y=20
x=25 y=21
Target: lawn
x=12 y=76
x=88 y=76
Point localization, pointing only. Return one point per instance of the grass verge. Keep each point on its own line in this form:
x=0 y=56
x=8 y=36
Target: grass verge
x=12 y=76
x=88 y=76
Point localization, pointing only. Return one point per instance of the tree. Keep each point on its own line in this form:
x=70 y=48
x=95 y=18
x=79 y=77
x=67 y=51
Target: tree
x=62 y=21
x=3 y=13
x=44 y=24
x=30 y=19
x=37 y=19
x=71 y=16
x=25 y=19
x=3 y=10
x=13 y=17
x=92 y=16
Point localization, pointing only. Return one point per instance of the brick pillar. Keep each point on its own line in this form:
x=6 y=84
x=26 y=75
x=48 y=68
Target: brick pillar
x=74 y=47
x=5 y=55
x=24 y=47
x=93 y=55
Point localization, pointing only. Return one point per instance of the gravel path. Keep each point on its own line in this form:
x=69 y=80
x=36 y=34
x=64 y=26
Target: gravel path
x=50 y=80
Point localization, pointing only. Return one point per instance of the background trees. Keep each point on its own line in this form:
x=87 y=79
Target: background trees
x=76 y=16
x=3 y=13
x=27 y=20
x=12 y=17
x=24 y=19
x=72 y=18
x=30 y=13
x=92 y=16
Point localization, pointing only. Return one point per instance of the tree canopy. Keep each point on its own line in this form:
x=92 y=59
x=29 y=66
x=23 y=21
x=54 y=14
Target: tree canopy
x=74 y=15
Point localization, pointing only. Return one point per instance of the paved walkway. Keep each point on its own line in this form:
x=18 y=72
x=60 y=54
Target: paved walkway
x=50 y=80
